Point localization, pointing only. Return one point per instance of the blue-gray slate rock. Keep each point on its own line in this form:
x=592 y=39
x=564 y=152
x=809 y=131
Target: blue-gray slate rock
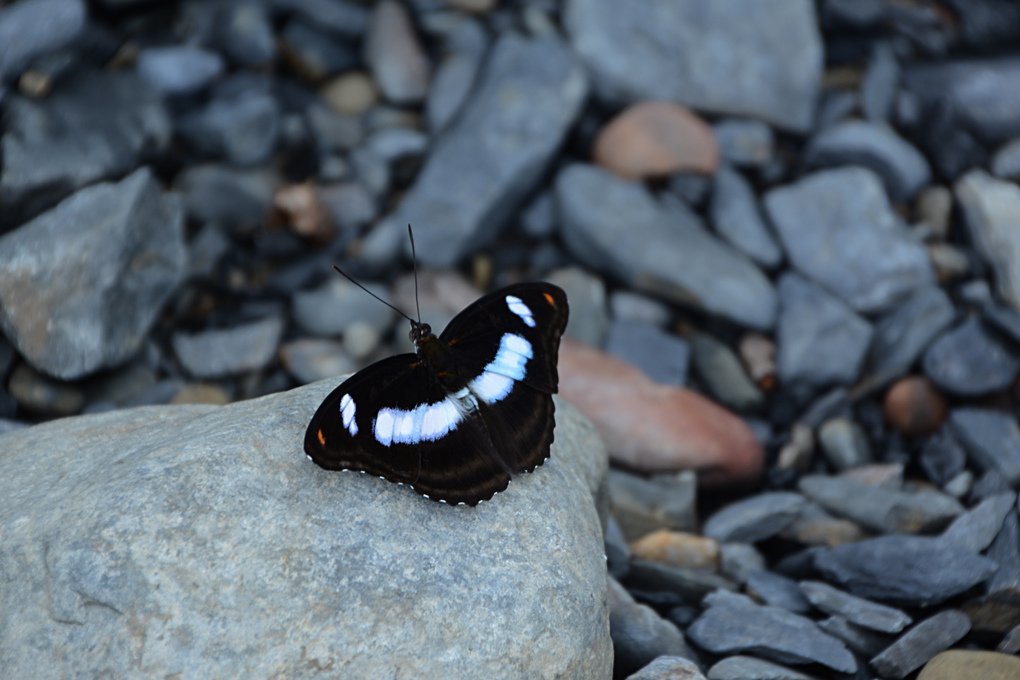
x=903 y=333
x=343 y=17
x=1006 y=162
x=733 y=623
x=639 y=634
x=602 y=217
x=234 y=198
x=82 y=283
x=662 y=356
x=820 y=340
x=587 y=295
x=990 y=207
x=856 y=610
x=669 y=668
x=336 y=305
x=488 y=160
x=749 y=668
x=739 y=57
x=179 y=69
x=465 y=46
x=902 y=168
x=35 y=28
x=94 y=126
x=977 y=528
x=991 y=439
x=777 y=591
x=913 y=570
x=744 y=142
x=316 y=54
x=199 y=540
x=880 y=84
x=240 y=123
x=970 y=362
x=228 y=351
x=838 y=228
x=913 y=649
x=736 y=217
x=756 y=518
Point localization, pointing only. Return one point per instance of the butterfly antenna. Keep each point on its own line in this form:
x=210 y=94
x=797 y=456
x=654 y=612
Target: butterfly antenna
x=414 y=263
x=351 y=279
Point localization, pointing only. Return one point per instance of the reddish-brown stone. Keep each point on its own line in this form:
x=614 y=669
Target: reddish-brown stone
x=914 y=407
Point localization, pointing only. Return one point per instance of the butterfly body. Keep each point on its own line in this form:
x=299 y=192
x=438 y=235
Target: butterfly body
x=464 y=413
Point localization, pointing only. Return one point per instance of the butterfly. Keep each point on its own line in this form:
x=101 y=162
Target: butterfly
x=467 y=411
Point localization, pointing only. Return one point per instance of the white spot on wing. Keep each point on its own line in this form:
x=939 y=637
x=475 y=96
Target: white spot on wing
x=383 y=427
x=518 y=307
x=492 y=387
x=347 y=411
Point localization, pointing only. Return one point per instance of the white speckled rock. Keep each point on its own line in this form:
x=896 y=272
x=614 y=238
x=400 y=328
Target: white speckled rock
x=199 y=541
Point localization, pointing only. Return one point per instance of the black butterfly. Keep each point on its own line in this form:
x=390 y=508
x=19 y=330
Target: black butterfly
x=463 y=414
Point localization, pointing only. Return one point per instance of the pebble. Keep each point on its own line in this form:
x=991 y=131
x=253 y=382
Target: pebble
x=902 y=168
x=964 y=663
x=960 y=485
x=201 y=393
x=856 y=610
x=34 y=28
x=815 y=526
x=639 y=634
x=1006 y=161
x=667 y=667
x=466 y=43
x=1011 y=642
x=179 y=69
x=838 y=228
x=333 y=307
x=921 y=643
x=914 y=407
x=749 y=668
x=617 y=549
x=975 y=529
x=652 y=427
x=991 y=439
x=228 y=351
x=885 y=475
x=904 y=332
x=745 y=142
x=678 y=549
x=844 y=444
x=881 y=509
x=912 y=570
x=735 y=215
x=778 y=53
x=589 y=320
x=662 y=356
x=42 y=395
x=756 y=518
x=240 y=123
x=934 y=208
x=990 y=207
x=967 y=361
x=343 y=17
x=737 y=561
x=777 y=591
x=642 y=506
x=733 y=624
x=311 y=359
x=721 y=372
x=687 y=262
x=394 y=54
x=349 y=205
x=758 y=353
x=820 y=340
x=625 y=305
x=656 y=139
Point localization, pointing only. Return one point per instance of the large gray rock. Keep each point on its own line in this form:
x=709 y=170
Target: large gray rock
x=838 y=228
x=199 y=540
x=610 y=224
x=741 y=57
x=992 y=210
x=82 y=283
x=485 y=164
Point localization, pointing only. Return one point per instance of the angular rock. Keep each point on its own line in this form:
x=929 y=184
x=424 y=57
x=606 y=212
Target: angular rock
x=120 y=589
x=720 y=371
x=228 y=351
x=881 y=509
x=601 y=214
x=617 y=549
x=240 y=122
x=749 y=668
x=756 y=518
x=35 y=28
x=690 y=52
x=39 y=394
x=968 y=361
x=625 y=305
x=862 y=641
x=95 y=126
x=902 y=334
x=942 y=458
x=662 y=356
x=777 y=591
x=837 y=228
x=1006 y=162
x=639 y=634
x=815 y=526
x=467 y=44
x=965 y=663
x=881 y=84
x=733 y=624
x=744 y=142
x=669 y=668
x=902 y=168
x=737 y=561
x=844 y=444
x=179 y=69
x=991 y=438
x=736 y=217
x=112 y=246
x=238 y=200
x=914 y=570
x=343 y=17
x=921 y=643
x=821 y=341
x=645 y=505
x=859 y=611
x=990 y=207
x=975 y=529
x=392 y=50
x=1005 y=551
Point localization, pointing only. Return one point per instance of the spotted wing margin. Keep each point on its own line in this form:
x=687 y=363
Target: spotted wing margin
x=461 y=466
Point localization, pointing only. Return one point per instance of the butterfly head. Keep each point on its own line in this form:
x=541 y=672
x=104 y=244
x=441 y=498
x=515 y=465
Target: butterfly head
x=420 y=332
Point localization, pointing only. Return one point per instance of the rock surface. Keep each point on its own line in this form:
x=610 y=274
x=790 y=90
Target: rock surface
x=991 y=206
x=246 y=558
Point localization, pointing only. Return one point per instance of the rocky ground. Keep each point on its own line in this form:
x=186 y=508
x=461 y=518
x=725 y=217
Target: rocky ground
x=789 y=232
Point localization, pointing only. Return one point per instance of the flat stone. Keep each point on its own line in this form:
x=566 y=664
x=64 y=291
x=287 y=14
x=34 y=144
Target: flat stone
x=669 y=668
x=662 y=356
x=749 y=668
x=745 y=141
x=838 y=228
x=968 y=361
x=904 y=332
x=465 y=44
x=735 y=216
x=678 y=549
x=860 y=640
x=395 y=55
x=644 y=505
x=491 y=157
x=157 y=581
x=1005 y=551
x=990 y=207
x=35 y=28
x=921 y=643
x=656 y=139
x=942 y=457
x=617 y=549
x=312 y=359
x=179 y=69
x=776 y=590
x=687 y=262
x=336 y=305
x=343 y=17
x=881 y=84
x=856 y=610
x=991 y=438
x=975 y=529
x=639 y=634
x=962 y=663
x=112 y=245
x=625 y=305
x=589 y=320
x=815 y=526
x=737 y=561
x=914 y=570
x=95 y=126
x=902 y=168
x=1006 y=161
x=228 y=351
x=844 y=443
x=240 y=123
x=721 y=372
x=733 y=624
x=691 y=585
x=821 y=341
x=690 y=54
x=756 y=518
x=881 y=509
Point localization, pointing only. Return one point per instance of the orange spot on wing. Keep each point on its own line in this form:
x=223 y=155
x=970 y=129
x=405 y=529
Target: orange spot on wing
x=549 y=298
x=322 y=437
